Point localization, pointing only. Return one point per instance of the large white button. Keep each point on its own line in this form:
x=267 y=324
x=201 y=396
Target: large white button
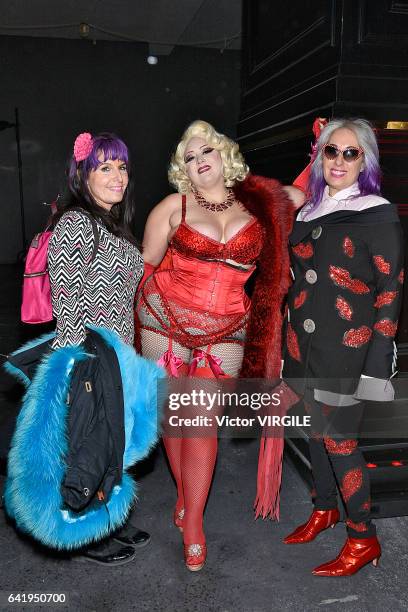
x=316 y=233
x=311 y=277
x=309 y=326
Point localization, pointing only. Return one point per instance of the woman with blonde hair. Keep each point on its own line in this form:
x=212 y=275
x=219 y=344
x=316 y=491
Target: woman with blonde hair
x=200 y=247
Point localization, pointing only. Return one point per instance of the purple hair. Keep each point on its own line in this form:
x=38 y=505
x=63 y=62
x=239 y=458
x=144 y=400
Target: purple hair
x=119 y=220
x=369 y=180
x=105 y=144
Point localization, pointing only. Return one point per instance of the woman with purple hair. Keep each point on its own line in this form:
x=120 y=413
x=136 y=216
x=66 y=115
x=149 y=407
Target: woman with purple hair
x=94 y=268
x=343 y=307
x=99 y=189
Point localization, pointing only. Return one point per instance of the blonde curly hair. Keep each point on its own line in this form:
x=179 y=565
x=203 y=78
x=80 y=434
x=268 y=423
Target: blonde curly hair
x=234 y=166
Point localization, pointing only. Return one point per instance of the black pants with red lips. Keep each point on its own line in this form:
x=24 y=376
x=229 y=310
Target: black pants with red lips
x=338 y=462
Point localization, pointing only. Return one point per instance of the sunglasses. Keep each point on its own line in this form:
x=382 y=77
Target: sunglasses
x=350 y=154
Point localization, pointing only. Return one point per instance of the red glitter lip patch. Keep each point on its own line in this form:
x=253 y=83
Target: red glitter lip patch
x=343 y=308
x=342 y=278
x=293 y=344
x=300 y=299
x=342 y=447
x=351 y=483
x=348 y=247
x=382 y=265
x=305 y=251
x=385 y=298
x=386 y=327
x=354 y=338
x=360 y=527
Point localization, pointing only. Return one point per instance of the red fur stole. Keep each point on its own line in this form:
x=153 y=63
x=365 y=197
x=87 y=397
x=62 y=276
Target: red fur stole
x=266 y=200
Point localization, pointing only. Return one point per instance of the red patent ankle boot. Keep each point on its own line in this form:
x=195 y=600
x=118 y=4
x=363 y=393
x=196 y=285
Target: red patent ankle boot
x=354 y=555
x=318 y=521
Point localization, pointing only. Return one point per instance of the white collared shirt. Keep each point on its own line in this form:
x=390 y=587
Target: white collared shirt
x=346 y=199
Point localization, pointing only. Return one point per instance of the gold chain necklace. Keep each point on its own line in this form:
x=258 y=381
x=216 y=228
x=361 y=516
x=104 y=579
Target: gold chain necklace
x=214 y=206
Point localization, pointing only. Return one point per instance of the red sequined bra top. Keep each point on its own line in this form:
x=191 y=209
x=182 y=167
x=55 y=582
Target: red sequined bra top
x=244 y=247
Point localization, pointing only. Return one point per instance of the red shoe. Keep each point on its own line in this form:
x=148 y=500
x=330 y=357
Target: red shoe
x=354 y=555
x=178 y=519
x=319 y=521
x=195 y=556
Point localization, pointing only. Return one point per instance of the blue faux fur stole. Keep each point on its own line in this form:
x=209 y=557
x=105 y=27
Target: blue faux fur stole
x=36 y=461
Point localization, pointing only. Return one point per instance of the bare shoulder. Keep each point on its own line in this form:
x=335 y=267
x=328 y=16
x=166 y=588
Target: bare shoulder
x=159 y=227
x=166 y=207
x=171 y=202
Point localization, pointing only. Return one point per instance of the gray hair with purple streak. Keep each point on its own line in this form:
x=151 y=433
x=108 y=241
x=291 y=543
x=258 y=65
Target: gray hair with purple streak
x=369 y=180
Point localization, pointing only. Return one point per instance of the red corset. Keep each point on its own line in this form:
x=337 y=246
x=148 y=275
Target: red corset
x=210 y=286
x=194 y=296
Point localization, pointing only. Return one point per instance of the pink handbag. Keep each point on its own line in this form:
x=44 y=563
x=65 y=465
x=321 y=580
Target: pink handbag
x=36 y=304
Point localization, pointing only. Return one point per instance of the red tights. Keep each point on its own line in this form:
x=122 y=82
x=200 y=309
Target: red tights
x=192 y=459
x=192 y=462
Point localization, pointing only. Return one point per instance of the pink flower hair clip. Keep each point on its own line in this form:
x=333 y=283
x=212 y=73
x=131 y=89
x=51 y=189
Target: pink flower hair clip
x=83 y=146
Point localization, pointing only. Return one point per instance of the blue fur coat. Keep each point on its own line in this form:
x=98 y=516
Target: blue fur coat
x=36 y=465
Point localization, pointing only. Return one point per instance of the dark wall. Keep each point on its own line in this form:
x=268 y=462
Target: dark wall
x=64 y=87
x=324 y=58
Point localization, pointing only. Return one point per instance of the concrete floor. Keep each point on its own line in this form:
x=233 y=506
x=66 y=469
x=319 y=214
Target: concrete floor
x=249 y=569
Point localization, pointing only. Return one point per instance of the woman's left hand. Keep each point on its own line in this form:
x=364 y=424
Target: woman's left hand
x=296 y=195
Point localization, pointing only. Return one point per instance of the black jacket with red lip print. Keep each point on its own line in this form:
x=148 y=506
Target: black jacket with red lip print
x=345 y=299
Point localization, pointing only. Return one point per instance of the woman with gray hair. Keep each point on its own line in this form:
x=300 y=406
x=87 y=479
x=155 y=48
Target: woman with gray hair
x=346 y=252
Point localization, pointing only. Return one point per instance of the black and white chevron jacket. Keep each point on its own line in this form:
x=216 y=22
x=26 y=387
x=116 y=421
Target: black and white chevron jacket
x=98 y=292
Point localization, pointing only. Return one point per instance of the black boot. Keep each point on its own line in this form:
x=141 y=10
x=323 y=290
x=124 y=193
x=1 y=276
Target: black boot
x=107 y=553
x=132 y=536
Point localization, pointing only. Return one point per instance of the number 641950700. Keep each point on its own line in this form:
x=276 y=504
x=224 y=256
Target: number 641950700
x=36 y=598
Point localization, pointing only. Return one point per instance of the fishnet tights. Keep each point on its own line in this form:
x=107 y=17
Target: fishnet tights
x=192 y=460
